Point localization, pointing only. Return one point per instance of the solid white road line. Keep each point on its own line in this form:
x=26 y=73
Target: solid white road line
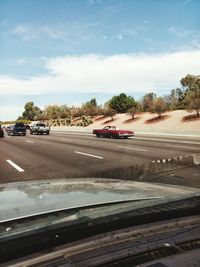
x=133 y=148
x=71 y=133
x=88 y=155
x=15 y=165
x=166 y=140
x=28 y=141
x=195 y=148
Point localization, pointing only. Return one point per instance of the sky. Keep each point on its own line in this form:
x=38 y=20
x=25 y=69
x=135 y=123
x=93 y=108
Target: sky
x=69 y=51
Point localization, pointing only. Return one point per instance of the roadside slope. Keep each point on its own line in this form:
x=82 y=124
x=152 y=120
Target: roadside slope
x=173 y=122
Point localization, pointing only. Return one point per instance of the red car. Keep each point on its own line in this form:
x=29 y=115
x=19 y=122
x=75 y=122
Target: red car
x=112 y=131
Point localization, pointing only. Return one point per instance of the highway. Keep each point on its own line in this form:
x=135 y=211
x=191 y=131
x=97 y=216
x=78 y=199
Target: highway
x=80 y=154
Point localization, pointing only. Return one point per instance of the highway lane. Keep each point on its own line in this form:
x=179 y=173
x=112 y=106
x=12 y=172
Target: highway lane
x=83 y=155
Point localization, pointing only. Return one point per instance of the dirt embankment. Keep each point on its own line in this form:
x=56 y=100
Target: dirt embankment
x=178 y=121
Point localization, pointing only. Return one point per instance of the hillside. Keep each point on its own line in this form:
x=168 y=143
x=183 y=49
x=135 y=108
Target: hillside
x=178 y=121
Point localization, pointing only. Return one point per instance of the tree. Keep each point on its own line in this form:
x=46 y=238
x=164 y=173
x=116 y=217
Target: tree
x=93 y=102
x=52 y=111
x=159 y=106
x=38 y=113
x=20 y=118
x=65 y=111
x=188 y=81
x=31 y=112
x=147 y=101
x=121 y=103
x=191 y=83
x=109 y=112
x=77 y=112
x=132 y=110
x=91 y=108
x=176 y=99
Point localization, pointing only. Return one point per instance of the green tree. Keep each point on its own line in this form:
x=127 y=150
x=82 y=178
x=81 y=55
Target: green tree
x=20 y=118
x=38 y=113
x=159 y=106
x=147 y=101
x=28 y=111
x=191 y=83
x=109 y=112
x=121 y=103
x=31 y=112
x=135 y=108
x=93 y=102
x=176 y=99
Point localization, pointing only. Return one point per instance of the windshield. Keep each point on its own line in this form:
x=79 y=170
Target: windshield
x=99 y=105
x=19 y=125
x=40 y=125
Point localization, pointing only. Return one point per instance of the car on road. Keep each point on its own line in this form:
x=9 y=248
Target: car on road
x=27 y=126
x=113 y=132
x=8 y=128
x=39 y=128
x=17 y=129
x=1 y=132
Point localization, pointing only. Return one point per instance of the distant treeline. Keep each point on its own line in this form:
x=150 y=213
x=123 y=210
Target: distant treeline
x=187 y=97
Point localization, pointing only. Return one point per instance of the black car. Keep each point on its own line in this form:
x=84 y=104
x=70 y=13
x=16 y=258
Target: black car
x=1 y=132
x=27 y=126
x=17 y=129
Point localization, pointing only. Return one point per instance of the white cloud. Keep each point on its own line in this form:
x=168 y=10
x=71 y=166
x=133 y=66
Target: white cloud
x=180 y=33
x=53 y=33
x=97 y=73
x=21 y=61
x=30 y=32
x=72 y=32
x=133 y=32
x=25 y=32
x=130 y=32
x=195 y=43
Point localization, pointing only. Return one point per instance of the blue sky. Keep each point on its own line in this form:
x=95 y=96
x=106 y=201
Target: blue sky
x=67 y=51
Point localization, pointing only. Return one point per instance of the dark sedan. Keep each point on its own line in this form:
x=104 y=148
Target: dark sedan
x=1 y=132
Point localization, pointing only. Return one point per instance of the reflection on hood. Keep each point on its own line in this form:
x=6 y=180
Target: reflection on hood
x=28 y=198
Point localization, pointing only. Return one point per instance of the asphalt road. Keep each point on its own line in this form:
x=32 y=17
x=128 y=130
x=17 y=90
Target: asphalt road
x=79 y=154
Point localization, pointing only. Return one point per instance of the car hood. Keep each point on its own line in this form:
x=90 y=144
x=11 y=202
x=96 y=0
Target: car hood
x=24 y=199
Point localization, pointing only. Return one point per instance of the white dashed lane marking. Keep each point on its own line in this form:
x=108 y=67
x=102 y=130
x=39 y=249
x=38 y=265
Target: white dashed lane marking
x=88 y=155
x=29 y=141
x=19 y=169
x=133 y=148
x=184 y=147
